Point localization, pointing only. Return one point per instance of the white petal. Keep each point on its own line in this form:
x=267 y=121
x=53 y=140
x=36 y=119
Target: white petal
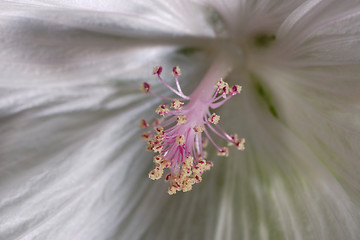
x=148 y=19
x=59 y=157
x=46 y=44
x=244 y=19
x=325 y=34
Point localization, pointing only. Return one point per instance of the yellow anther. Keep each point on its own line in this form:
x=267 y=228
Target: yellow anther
x=157 y=70
x=184 y=165
x=158 y=158
x=168 y=177
x=214 y=118
x=143 y=124
x=240 y=144
x=180 y=140
x=165 y=164
x=189 y=160
x=236 y=89
x=220 y=83
x=158 y=148
x=197 y=171
x=150 y=146
x=162 y=110
x=159 y=130
x=159 y=138
x=225 y=90
x=186 y=172
x=156 y=173
x=223 y=87
x=223 y=152
x=234 y=138
x=187 y=185
x=208 y=166
x=181 y=179
x=176 y=71
x=172 y=190
x=199 y=129
x=145 y=87
x=201 y=163
x=198 y=178
x=176 y=104
x=146 y=136
x=181 y=120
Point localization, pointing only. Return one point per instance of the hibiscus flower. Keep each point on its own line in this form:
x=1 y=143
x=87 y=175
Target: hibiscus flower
x=73 y=166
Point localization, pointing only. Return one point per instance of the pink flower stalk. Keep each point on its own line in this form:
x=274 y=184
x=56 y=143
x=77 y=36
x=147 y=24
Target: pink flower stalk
x=178 y=136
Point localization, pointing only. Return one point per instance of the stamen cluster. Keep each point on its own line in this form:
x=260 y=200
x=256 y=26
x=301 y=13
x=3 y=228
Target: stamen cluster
x=177 y=136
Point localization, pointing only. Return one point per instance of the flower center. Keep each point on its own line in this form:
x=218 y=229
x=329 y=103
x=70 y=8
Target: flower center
x=181 y=135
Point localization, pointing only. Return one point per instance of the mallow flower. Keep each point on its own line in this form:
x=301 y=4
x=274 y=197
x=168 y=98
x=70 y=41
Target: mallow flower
x=72 y=162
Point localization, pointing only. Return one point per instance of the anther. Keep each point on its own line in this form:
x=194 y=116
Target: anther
x=157 y=70
x=176 y=71
x=159 y=130
x=162 y=110
x=199 y=129
x=236 y=89
x=156 y=173
x=176 y=104
x=143 y=124
x=158 y=158
x=180 y=140
x=172 y=190
x=157 y=149
x=220 y=83
x=214 y=118
x=146 y=136
x=145 y=87
x=240 y=144
x=223 y=152
x=181 y=120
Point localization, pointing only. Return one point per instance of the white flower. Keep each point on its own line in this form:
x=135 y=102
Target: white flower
x=72 y=165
